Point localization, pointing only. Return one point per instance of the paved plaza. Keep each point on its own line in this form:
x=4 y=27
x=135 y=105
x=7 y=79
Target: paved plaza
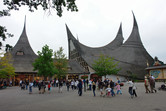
x=15 y=99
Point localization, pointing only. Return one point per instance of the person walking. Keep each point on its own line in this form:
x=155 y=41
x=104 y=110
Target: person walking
x=43 y=87
x=90 y=85
x=49 y=87
x=60 y=86
x=57 y=82
x=30 y=87
x=118 y=88
x=146 y=83
x=67 y=85
x=72 y=85
x=80 y=88
x=76 y=84
x=112 y=85
x=130 y=87
x=26 y=83
x=94 y=88
x=152 y=84
x=101 y=85
x=39 y=87
x=134 y=89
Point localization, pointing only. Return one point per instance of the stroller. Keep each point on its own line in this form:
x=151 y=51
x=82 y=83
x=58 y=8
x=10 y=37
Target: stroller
x=163 y=87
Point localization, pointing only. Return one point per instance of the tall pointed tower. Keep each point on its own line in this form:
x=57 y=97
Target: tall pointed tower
x=23 y=55
x=132 y=56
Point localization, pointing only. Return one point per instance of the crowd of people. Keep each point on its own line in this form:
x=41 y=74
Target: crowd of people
x=107 y=87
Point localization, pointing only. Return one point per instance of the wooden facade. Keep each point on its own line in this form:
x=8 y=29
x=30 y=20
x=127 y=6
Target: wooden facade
x=159 y=72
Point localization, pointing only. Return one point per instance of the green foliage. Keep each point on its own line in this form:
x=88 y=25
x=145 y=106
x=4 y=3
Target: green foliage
x=44 y=62
x=60 y=63
x=4 y=35
x=45 y=4
x=58 y=5
x=105 y=66
x=6 y=68
x=3 y=31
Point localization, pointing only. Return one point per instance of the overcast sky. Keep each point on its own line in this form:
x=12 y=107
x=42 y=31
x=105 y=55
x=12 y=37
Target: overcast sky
x=95 y=24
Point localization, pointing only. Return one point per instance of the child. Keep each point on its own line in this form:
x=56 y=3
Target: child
x=108 y=91
x=49 y=87
x=118 y=89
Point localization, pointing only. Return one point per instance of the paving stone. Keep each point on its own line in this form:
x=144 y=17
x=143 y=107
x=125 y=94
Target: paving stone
x=15 y=99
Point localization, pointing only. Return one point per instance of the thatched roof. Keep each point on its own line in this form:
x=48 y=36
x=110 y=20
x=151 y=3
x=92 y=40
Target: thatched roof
x=23 y=55
x=131 y=55
x=75 y=68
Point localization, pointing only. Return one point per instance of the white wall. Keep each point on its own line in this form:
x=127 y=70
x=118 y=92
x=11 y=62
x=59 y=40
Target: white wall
x=114 y=78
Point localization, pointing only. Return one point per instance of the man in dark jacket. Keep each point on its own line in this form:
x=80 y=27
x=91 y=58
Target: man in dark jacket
x=112 y=84
x=80 y=88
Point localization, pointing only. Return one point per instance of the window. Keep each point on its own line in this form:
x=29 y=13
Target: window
x=20 y=53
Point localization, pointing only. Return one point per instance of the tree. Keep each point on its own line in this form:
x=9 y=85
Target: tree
x=60 y=63
x=3 y=31
x=44 y=63
x=6 y=67
x=58 y=5
x=45 y=4
x=105 y=65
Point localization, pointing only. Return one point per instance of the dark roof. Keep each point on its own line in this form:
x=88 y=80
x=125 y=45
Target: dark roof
x=90 y=53
x=132 y=56
x=23 y=55
x=23 y=63
x=75 y=68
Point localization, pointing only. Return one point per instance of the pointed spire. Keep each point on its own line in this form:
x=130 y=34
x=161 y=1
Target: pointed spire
x=118 y=41
x=25 y=22
x=134 y=38
x=69 y=34
x=119 y=35
x=135 y=22
x=23 y=38
x=23 y=43
x=120 y=29
x=77 y=38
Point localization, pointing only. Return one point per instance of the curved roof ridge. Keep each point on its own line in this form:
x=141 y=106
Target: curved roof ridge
x=115 y=43
x=118 y=41
x=71 y=37
x=135 y=22
x=69 y=34
x=134 y=39
x=23 y=43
